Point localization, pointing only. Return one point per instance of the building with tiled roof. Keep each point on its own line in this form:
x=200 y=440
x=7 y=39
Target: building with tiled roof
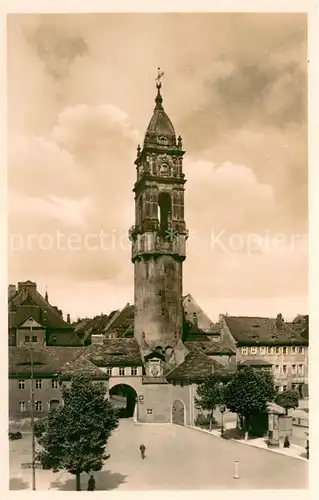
x=32 y=318
x=301 y=324
x=86 y=327
x=269 y=340
x=196 y=367
x=50 y=367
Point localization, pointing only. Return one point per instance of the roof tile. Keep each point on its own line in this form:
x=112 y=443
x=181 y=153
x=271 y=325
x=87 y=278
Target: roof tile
x=255 y=330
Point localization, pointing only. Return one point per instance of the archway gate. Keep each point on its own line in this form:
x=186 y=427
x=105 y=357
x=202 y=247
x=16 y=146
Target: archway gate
x=124 y=396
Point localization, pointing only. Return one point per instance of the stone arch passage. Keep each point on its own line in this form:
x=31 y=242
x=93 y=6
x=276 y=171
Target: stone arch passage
x=178 y=412
x=124 y=397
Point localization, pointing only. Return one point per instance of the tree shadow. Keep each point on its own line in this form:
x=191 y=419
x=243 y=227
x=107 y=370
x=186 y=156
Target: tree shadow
x=16 y=483
x=105 y=480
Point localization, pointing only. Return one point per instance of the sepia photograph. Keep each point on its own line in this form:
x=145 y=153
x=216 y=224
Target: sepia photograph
x=157 y=251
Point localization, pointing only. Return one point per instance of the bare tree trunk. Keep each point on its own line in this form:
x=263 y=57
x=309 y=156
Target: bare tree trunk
x=78 y=481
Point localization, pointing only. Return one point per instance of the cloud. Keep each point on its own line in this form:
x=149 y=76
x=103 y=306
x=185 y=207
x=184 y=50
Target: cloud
x=84 y=129
x=231 y=197
x=67 y=211
x=36 y=163
x=65 y=204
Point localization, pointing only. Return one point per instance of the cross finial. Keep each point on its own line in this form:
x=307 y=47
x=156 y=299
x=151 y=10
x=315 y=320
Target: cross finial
x=160 y=74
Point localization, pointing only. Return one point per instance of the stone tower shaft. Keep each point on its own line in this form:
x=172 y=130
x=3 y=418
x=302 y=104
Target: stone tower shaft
x=159 y=234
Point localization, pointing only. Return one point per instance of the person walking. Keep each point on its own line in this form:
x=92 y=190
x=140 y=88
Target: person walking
x=91 y=483
x=286 y=442
x=142 y=450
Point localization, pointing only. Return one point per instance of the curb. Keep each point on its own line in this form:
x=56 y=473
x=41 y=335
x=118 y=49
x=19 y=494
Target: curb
x=151 y=423
x=272 y=450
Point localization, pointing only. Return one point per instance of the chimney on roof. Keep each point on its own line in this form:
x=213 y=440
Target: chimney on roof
x=11 y=290
x=68 y=318
x=97 y=339
x=28 y=286
x=279 y=321
x=46 y=295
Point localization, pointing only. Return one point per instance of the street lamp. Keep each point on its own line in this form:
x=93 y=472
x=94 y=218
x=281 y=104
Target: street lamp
x=32 y=410
x=138 y=400
x=222 y=410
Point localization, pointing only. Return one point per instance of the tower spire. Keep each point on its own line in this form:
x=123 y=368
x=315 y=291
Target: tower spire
x=159 y=98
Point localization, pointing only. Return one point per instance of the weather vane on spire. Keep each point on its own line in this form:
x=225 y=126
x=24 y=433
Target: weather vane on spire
x=160 y=75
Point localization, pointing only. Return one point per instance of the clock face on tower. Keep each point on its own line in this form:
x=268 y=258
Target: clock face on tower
x=154 y=368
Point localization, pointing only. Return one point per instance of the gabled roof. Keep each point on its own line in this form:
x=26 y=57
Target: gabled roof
x=38 y=308
x=30 y=321
x=83 y=365
x=115 y=352
x=262 y=331
x=80 y=326
x=301 y=325
x=196 y=366
x=121 y=321
x=85 y=328
x=196 y=316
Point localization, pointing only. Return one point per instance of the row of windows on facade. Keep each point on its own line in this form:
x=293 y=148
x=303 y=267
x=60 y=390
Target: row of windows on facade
x=55 y=384
x=33 y=339
x=38 y=384
x=121 y=372
x=38 y=405
x=294 y=369
x=272 y=350
x=283 y=388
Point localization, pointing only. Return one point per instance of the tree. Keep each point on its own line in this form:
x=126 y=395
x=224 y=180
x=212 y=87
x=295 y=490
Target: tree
x=74 y=436
x=248 y=392
x=287 y=399
x=209 y=395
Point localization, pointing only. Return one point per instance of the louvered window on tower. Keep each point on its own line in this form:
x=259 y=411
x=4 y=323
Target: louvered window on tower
x=164 y=211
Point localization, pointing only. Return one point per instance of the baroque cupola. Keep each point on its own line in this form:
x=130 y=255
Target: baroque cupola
x=160 y=132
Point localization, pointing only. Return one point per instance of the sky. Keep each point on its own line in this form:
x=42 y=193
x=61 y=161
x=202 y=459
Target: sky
x=81 y=92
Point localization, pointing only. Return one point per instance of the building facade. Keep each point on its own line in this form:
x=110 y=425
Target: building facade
x=262 y=341
x=32 y=319
x=43 y=370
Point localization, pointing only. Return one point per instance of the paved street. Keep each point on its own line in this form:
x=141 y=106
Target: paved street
x=177 y=458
